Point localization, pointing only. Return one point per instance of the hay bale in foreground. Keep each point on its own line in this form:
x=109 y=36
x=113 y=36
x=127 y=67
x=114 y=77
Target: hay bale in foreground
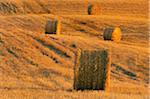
x=92 y=70
x=113 y=34
x=53 y=27
x=94 y=9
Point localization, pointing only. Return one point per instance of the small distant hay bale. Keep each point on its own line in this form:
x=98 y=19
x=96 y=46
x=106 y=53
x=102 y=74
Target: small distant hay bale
x=53 y=27
x=113 y=34
x=92 y=70
x=94 y=9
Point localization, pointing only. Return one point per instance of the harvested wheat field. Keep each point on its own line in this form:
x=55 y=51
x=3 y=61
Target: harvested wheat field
x=36 y=65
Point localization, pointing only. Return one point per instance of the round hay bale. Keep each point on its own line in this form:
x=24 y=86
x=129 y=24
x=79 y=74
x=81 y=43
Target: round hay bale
x=112 y=34
x=108 y=71
x=53 y=27
x=94 y=9
x=92 y=69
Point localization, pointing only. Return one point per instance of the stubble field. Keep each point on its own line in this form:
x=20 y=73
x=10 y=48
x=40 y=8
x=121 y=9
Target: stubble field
x=37 y=65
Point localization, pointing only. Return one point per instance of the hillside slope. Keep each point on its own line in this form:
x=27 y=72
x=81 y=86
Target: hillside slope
x=28 y=52
x=136 y=8
x=32 y=62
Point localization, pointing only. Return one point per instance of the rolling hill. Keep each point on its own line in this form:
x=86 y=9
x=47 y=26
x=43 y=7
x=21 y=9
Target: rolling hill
x=37 y=65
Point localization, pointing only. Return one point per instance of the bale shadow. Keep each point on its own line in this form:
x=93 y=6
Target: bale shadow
x=124 y=71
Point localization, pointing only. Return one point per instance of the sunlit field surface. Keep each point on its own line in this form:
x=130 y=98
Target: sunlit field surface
x=35 y=65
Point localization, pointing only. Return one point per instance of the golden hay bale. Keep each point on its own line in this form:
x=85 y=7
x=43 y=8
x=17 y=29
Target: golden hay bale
x=94 y=9
x=112 y=34
x=53 y=27
x=92 y=70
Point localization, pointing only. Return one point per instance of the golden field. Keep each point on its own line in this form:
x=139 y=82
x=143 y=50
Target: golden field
x=35 y=65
